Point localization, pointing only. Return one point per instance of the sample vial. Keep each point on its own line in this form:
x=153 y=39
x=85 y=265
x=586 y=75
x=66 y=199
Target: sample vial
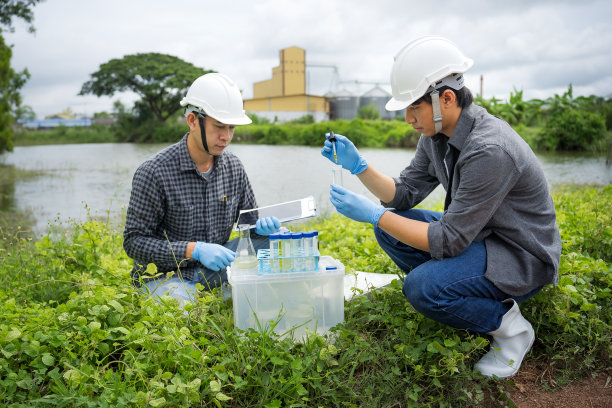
x=297 y=251
x=315 y=249
x=315 y=241
x=275 y=251
x=337 y=174
x=309 y=251
x=285 y=250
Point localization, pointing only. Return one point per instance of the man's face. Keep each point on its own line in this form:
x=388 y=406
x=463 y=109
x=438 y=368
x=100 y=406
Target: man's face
x=420 y=116
x=218 y=135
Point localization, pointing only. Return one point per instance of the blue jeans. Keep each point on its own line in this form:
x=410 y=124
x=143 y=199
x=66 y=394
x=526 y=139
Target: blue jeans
x=453 y=291
x=184 y=290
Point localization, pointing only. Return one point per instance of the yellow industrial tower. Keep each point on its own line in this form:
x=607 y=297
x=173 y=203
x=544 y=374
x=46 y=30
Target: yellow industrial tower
x=284 y=96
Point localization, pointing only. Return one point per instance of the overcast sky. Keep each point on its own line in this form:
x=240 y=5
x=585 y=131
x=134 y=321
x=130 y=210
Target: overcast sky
x=539 y=47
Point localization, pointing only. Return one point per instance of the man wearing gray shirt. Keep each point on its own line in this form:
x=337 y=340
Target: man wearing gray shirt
x=497 y=242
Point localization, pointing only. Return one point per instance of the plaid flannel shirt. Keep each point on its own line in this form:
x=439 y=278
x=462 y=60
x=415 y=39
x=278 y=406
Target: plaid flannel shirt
x=172 y=203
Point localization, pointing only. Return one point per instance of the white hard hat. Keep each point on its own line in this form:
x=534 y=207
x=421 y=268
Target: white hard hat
x=217 y=96
x=420 y=65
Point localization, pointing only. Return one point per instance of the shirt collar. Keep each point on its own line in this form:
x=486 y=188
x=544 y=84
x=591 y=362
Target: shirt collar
x=186 y=164
x=463 y=128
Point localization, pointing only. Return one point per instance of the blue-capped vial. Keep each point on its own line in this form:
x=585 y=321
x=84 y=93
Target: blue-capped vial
x=297 y=251
x=285 y=252
x=275 y=251
x=309 y=251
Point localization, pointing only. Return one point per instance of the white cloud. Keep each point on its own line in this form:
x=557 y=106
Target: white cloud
x=540 y=47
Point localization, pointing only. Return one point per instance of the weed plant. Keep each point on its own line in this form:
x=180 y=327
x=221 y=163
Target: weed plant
x=75 y=333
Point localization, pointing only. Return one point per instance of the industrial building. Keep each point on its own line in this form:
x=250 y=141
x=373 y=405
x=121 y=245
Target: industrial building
x=284 y=97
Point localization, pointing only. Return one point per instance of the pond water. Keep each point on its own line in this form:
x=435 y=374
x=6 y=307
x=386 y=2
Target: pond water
x=78 y=178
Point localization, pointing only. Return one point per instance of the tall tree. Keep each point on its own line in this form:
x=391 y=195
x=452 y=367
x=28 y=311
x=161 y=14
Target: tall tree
x=10 y=81
x=160 y=80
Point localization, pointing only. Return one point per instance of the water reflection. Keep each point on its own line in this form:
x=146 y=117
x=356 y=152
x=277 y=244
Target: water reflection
x=98 y=176
x=11 y=216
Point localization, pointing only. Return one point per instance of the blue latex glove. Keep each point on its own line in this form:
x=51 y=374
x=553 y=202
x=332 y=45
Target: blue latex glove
x=355 y=206
x=348 y=155
x=213 y=256
x=267 y=226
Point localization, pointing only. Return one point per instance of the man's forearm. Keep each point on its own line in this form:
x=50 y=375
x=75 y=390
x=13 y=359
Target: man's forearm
x=411 y=232
x=379 y=184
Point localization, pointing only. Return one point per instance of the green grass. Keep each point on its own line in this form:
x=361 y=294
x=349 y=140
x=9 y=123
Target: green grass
x=75 y=333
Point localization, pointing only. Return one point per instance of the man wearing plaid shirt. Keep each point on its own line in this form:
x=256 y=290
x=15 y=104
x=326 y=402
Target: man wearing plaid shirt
x=186 y=198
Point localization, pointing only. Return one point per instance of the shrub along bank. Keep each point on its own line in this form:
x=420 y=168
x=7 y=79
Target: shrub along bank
x=73 y=332
x=364 y=133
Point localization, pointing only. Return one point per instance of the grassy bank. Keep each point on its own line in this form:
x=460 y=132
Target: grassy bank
x=65 y=135
x=73 y=332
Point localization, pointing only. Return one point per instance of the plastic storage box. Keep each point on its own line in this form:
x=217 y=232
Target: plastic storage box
x=292 y=303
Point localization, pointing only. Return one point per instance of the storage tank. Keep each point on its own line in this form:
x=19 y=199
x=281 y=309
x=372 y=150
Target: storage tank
x=379 y=98
x=342 y=105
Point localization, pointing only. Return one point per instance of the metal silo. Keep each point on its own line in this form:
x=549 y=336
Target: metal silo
x=379 y=97
x=343 y=105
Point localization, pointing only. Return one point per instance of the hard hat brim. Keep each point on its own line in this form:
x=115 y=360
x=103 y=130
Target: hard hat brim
x=245 y=120
x=395 y=104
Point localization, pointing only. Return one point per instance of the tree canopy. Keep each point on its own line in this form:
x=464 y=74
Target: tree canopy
x=160 y=80
x=17 y=8
x=10 y=81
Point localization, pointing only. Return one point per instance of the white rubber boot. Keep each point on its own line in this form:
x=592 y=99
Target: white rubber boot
x=511 y=341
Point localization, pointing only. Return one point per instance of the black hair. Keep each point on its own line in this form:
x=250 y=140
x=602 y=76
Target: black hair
x=464 y=96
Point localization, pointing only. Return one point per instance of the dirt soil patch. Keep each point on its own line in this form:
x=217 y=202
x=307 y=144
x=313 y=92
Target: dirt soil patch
x=534 y=387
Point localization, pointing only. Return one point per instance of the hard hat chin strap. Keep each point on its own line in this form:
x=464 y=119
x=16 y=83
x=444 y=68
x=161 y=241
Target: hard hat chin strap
x=437 y=114
x=203 y=132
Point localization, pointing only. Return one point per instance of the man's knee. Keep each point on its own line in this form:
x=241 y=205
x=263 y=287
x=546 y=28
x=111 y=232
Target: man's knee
x=414 y=288
x=420 y=291
x=386 y=241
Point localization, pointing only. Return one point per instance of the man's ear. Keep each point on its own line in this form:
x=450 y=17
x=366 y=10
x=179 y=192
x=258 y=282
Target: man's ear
x=192 y=121
x=448 y=98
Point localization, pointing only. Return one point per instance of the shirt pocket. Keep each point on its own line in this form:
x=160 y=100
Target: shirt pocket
x=179 y=222
x=223 y=212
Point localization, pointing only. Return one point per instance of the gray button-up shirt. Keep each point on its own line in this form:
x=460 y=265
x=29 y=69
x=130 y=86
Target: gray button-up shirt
x=173 y=203
x=499 y=195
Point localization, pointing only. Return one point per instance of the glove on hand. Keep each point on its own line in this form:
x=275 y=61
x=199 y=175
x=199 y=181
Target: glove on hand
x=267 y=226
x=348 y=155
x=213 y=256
x=355 y=206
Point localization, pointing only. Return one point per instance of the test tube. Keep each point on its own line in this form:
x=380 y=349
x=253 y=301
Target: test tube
x=337 y=174
x=315 y=249
x=285 y=247
x=274 y=252
x=297 y=251
x=309 y=251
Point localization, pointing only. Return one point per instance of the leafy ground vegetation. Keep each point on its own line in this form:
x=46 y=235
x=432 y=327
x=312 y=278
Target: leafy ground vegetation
x=74 y=333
